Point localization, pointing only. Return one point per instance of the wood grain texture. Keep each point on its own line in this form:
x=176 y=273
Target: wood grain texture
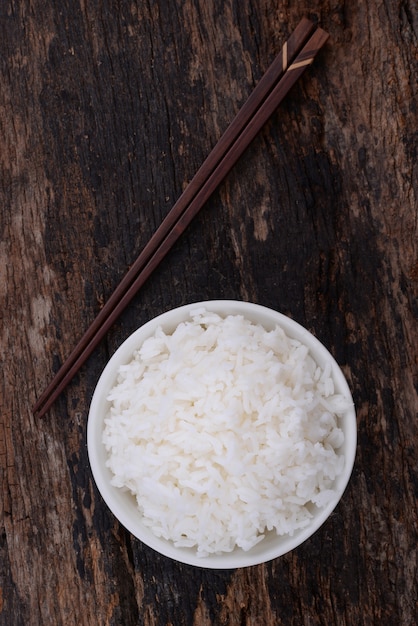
x=107 y=109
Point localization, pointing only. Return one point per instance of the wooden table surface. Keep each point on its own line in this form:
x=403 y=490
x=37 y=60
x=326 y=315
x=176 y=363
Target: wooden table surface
x=107 y=109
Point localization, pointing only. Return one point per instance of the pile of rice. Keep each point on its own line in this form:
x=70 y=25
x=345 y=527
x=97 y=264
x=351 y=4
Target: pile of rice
x=222 y=431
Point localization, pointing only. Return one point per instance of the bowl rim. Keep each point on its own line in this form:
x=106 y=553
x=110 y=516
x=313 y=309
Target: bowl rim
x=117 y=500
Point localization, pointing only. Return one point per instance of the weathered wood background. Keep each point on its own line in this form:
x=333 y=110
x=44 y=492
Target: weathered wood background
x=106 y=111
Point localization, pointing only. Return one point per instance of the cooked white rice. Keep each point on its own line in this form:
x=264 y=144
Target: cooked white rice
x=223 y=431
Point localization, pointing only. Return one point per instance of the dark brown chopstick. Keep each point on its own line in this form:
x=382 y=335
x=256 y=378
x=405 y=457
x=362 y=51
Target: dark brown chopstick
x=288 y=66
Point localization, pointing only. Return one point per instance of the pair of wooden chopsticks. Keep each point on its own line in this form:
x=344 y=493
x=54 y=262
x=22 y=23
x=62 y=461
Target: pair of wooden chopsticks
x=296 y=55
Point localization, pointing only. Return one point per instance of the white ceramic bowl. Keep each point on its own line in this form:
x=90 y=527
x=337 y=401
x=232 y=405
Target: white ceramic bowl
x=123 y=505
